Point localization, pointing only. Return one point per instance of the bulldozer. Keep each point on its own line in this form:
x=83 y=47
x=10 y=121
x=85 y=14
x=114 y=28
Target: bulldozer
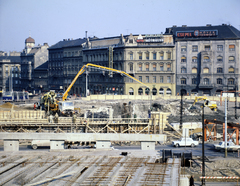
x=207 y=103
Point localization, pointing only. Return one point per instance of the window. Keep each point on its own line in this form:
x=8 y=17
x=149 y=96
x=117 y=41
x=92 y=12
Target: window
x=220 y=48
x=140 y=67
x=131 y=67
x=154 y=56
x=205 y=70
x=161 y=79
x=131 y=80
x=206 y=81
x=130 y=40
x=183 y=81
x=194 y=70
x=231 y=47
x=231 y=70
x=183 y=70
x=154 y=79
x=140 y=78
x=219 y=70
x=168 y=67
x=183 y=59
x=231 y=59
x=147 y=79
x=195 y=48
x=194 y=81
x=207 y=48
x=161 y=56
x=219 y=59
x=140 y=56
x=194 y=59
x=131 y=56
x=219 y=81
x=168 y=79
x=147 y=67
x=147 y=55
x=169 y=56
x=161 y=67
x=230 y=81
x=154 y=67
x=206 y=59
x=183 y=48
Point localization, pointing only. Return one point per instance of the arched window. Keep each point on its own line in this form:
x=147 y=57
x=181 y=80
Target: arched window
x=169 y=91
x=168 y=67
x=154 y=91
x=219 y=59
x=154 y=66
x=161 y=91
x=140 y=91
x=231 y=59
x=219 y=81
x=206 y=59
x=230 y=81
x=206 y=81
x=205 y=70
x=161 y=67
x=183 y=70
x=194 y=70
x=131 y=91
x=147 y=91
x=231 y=70
x=183 y=59
x=140 y=66
x=194 y=59
x=147 y=67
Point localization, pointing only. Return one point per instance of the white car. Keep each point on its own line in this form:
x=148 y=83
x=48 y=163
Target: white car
x=185 y=142
x=39 y=143
x=230 y=146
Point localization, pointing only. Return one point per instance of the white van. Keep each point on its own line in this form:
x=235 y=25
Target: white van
x=39 y=143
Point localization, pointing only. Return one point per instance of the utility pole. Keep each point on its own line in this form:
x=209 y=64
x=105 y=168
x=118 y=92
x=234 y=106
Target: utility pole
x=86 y=83
x=225 y=145
x=203 y=153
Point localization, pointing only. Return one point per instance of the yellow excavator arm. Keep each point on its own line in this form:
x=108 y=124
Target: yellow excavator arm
x=98 y=67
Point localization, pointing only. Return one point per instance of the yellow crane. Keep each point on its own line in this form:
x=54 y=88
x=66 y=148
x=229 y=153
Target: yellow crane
x=207 y=103
x=96 y=67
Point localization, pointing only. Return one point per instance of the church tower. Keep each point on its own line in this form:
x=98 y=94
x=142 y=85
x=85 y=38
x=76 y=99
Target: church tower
x=29 y=44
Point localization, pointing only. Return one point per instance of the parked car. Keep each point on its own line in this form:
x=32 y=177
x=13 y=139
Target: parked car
x=230 y=146
x=40 y=143
x=185 y=142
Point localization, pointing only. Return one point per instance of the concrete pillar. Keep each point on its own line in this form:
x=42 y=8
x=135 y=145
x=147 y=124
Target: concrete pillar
x=147 y=145
x=103 y=144
x=11 y=145
x=56 y=144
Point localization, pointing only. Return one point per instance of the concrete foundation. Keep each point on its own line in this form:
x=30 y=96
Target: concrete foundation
x=147 y=145
x=56 y=144
x=11 y=145
x=103 y=144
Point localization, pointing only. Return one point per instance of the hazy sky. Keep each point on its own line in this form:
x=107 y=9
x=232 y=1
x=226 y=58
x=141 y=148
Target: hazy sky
x=49 y=21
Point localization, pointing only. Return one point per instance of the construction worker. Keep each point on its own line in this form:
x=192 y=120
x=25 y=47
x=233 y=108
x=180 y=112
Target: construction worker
x=149 y=113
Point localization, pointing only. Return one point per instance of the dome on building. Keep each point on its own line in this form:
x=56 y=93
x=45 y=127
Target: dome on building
x=29 y=40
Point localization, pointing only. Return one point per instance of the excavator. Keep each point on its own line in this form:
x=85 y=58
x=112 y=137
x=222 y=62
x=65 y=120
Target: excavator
x=66 y=108
x=207 y=103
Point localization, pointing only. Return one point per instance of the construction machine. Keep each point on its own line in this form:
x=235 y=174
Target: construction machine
x=66 y=108
x=207 y=103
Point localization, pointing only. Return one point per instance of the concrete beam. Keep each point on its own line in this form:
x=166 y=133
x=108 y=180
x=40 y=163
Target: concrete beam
x=147 y=145
x=11 y=145
x=56 y=144
x=85 y=136
x=103 y=144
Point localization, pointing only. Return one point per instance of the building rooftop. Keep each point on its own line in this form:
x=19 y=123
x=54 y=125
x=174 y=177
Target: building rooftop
x=68 y=43
x=208 y=32
x=11 y=58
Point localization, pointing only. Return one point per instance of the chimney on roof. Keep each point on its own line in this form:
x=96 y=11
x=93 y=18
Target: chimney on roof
x=184 y=25
x=86 y=34
x=208 y=25
x=174 y=26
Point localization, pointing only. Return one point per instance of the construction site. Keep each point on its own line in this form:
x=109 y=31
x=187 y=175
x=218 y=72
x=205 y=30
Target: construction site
x=81 y=145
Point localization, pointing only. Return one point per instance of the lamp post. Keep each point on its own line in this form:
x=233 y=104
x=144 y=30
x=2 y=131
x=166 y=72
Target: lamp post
x=203 y=154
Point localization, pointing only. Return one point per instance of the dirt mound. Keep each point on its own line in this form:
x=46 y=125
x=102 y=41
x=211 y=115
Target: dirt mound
x=7 y=105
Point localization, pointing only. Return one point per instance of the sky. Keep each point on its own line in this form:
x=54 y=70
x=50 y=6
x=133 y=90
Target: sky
x=50 y=21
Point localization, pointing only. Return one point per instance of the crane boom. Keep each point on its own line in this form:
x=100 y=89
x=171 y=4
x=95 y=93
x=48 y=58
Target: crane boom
x=97 y=67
